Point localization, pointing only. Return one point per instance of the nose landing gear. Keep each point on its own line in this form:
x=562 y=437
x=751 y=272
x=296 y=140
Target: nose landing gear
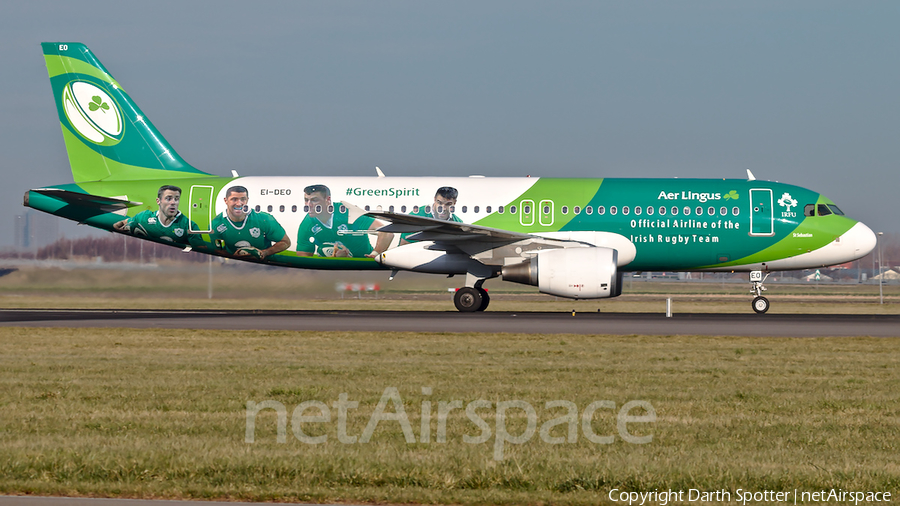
x=760 y=304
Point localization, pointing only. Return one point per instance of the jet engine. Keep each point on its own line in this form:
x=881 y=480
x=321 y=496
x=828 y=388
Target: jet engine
x=575 y=273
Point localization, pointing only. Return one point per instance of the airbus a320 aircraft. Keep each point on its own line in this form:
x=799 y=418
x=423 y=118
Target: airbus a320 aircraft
x=569 y=237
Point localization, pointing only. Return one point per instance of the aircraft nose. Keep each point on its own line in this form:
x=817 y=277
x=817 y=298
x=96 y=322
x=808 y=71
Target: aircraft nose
x=862 y=238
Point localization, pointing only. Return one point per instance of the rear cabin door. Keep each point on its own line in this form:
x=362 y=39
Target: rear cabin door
x=201 y=211
x=761 y=210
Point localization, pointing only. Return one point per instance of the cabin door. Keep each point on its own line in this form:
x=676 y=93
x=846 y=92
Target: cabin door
x=761 y=209
x=201 y=211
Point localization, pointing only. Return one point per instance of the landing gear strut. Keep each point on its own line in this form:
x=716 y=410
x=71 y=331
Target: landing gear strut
x=760 y=304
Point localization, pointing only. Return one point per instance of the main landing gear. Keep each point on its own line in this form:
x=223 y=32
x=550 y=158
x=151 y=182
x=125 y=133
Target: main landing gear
x=472 y=297
x=469 y=299
x=760 y=304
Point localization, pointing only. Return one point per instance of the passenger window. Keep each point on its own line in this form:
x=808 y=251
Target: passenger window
x=589 y=209
x=809 y=210
x=487 y=209
x=565 y=209
x=475 y=209
x=649 y=210
x=823 y=210
x=280 y=209
x=723 y=210
x=613 y=210
x=512 y=209
x=527 y=209
x=600 y=210
x=402 y=209
x=674 y=211
x=699 y=211
x=330 y=208
x=687 y=211
x=464 y=209
x=293 y=209
x=711 y=211
x=637 y=210
x=390 y=209
x=546 y=209
x=427 y=209
x=318 y=209
x=343 y=209
x=500 y=210
x=576 y=210
x=258 y=208
x=305 y=209
x=367 y=208
x=662 y=210
x=625 y=210
x=735 y=210
x=269 y=209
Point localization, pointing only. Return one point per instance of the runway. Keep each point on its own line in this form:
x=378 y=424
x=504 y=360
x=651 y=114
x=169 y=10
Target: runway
x=769 y=325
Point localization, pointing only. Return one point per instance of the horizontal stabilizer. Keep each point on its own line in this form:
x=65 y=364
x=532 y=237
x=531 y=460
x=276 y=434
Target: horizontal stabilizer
x=105 y=204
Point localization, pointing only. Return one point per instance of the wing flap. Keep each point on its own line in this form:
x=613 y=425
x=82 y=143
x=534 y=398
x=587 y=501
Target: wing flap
x=431 y=229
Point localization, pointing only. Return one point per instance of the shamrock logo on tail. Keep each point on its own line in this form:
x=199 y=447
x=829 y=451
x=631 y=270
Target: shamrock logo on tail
x=733 y=195
x=98 y=103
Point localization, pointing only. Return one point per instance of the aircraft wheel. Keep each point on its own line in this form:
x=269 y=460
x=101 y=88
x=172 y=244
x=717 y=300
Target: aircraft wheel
x=760 y=305
x=485 y=299
x=468 y=300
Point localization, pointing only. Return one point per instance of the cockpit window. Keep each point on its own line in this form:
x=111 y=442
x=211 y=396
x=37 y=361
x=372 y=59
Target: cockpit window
x=823 y=210
x=835 y=210
x=809 y=210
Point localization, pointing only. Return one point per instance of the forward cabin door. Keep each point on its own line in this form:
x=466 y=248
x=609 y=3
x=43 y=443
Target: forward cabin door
x=761 y=212
x=201 y=210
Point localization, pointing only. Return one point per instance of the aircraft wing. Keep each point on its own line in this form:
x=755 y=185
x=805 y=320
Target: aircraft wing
x=105 y=204
x=430 y=229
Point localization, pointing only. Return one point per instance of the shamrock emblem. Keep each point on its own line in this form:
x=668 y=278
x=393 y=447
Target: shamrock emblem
x=98 y=103
x=733 y=195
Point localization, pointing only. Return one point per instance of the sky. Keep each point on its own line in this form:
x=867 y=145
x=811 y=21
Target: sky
x=804 y=92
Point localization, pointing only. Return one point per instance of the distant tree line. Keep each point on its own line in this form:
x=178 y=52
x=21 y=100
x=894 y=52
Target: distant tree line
x=111 y=248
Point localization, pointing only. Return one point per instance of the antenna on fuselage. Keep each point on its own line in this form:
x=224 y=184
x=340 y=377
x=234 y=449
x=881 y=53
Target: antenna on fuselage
x=380 y=174
x=750 y=176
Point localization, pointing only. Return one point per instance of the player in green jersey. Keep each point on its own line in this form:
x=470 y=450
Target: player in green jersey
x=167 y=223
x=242 y=232
x=442 y=209
x=329 y=231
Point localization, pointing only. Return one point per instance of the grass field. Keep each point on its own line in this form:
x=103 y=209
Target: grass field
x=157 y=413
x=248 y=287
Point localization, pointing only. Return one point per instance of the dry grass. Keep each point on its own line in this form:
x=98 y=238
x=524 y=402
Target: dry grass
x=161 y=413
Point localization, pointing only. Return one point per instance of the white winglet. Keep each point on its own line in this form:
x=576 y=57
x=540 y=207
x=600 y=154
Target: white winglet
x=750 y=176
x=234 y=173
x=380 y=174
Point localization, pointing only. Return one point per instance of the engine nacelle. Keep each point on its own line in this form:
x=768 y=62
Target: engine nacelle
x=575 y=273
x=423 y=256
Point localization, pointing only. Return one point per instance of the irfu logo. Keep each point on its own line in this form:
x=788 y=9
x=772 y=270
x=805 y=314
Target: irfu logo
x=787 y=202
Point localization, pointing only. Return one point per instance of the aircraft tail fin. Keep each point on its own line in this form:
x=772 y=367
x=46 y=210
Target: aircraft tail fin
x=107 y=136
